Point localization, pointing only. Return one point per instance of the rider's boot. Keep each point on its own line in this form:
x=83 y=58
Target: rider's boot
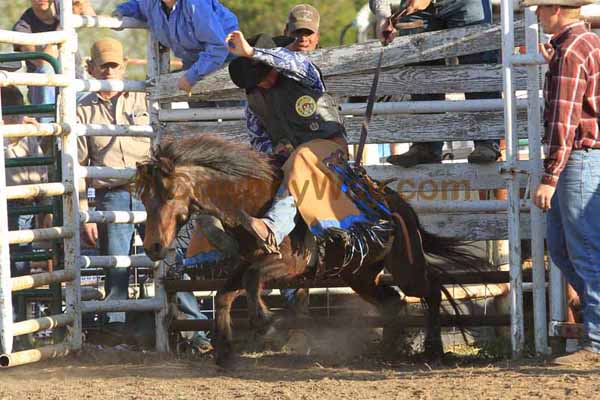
x=261 y=230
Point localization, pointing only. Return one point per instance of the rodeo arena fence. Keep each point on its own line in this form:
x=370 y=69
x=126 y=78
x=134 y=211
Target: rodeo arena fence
x=348 y=71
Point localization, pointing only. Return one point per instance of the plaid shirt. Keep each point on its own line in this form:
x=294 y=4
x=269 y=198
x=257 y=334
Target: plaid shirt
x=572 y=97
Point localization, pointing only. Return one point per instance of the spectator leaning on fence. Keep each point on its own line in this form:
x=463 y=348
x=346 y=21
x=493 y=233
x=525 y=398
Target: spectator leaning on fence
x=120 y=108
x=194 y=30
x=435 y=15
x=112 y=194
x=570 y=188
x=43 y=17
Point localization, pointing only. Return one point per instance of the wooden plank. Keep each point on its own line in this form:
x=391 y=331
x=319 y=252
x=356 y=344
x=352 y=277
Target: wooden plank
x=444 y=179
x=399 y=128
x=426 y=79
x=358 y=58
x=348 y=322
x=408 y=80
x=452 y=278
x=474 y=226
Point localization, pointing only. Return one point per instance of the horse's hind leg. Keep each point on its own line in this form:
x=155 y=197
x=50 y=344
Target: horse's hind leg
x=387 y=299
x=434 y=348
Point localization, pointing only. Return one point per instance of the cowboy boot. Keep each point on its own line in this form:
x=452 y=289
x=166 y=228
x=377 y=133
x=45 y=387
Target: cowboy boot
x=484 y=153
x=419 y=153
x=261 y=231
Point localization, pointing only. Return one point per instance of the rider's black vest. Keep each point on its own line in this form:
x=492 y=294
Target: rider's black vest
x=296 y=114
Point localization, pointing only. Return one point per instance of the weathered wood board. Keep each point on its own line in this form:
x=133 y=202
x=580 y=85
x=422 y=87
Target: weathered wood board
x=358 y=58
x=474 y=226
x=445 y=178
x=400 y=128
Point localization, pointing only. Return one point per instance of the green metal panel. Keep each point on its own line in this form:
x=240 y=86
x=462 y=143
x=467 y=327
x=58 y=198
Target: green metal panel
x=32 y=55
x=29 y=161
x=29 y=109
x=37 y=256
x=30 y=210
x=53 y=294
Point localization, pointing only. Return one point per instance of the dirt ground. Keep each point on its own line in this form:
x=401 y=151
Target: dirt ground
x=124 y=375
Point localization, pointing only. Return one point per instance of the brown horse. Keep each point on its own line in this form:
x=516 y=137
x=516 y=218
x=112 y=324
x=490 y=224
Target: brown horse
x=209 y=175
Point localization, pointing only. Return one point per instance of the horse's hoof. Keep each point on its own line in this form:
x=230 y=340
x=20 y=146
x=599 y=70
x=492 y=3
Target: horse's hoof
x=226 y=361
x=434 y=352
x=298 y=343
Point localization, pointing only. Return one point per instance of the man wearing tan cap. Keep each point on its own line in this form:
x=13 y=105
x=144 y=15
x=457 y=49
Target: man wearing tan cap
x=120 y=108
x=569 y=187
x=303 y=25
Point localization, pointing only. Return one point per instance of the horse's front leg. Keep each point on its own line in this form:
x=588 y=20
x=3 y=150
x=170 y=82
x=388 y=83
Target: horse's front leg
x=223 y=338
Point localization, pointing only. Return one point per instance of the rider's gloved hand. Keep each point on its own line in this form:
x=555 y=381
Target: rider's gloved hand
x=386 y=32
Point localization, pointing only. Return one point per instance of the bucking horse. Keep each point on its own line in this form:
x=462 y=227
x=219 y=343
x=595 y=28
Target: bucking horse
x=209 y=175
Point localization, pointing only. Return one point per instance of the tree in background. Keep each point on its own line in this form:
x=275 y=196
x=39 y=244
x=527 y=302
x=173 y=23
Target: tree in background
x=255 y=16
x=269 y=16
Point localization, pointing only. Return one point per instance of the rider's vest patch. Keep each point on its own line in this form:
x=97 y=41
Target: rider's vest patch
x=306 y=106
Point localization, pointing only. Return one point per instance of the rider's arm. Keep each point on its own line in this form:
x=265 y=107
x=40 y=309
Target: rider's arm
x=381 y=8
x=259 y=138
x=291 y=64
x=132 y=9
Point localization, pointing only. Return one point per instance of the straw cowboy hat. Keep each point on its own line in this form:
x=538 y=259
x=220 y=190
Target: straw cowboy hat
x=568 y=3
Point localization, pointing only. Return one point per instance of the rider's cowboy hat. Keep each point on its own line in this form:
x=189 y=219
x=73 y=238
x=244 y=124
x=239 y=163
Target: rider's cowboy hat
x=247 y=73
x=567 y=3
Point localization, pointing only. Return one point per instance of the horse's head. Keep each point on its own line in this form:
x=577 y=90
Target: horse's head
x=167 y=198
x=204 y=173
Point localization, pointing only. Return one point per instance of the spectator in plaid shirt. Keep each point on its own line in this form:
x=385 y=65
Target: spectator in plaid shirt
x=570 y=187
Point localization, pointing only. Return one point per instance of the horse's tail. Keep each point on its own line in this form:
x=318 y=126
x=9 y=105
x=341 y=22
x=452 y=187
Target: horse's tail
x=443 y=254
x=450 y=254
x=447 y=254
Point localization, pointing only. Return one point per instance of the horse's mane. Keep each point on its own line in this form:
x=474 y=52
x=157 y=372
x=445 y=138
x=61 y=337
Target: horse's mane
x=218 y=157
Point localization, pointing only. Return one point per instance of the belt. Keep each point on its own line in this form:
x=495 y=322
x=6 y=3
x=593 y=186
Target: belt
x=418 y=23
x=129 y=187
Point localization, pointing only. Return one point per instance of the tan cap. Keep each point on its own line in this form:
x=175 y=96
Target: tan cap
x=107 y=51
x=566 y=3
x=303 y=16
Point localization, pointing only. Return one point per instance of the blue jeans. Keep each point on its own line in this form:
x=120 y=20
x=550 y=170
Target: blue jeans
x=116 y=239
x=447 y=14
x=43 y=94
x=22 y=267
x=573 y=234
x=281 y=217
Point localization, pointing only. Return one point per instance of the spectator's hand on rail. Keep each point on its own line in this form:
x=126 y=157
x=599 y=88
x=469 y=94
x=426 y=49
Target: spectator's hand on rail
x=238 y=45
x=386 y=32
x=547 y=51
x=90 y=234
x=30 y=120
x=543 y=196
x=117 y=15
x=83 y=7
x=183 y=84
x=413 y=6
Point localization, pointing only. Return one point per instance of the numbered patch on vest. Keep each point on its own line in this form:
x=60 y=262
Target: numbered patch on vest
x=306 y=106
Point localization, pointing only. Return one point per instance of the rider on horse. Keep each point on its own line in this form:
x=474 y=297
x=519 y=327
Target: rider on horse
x=289 y=106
